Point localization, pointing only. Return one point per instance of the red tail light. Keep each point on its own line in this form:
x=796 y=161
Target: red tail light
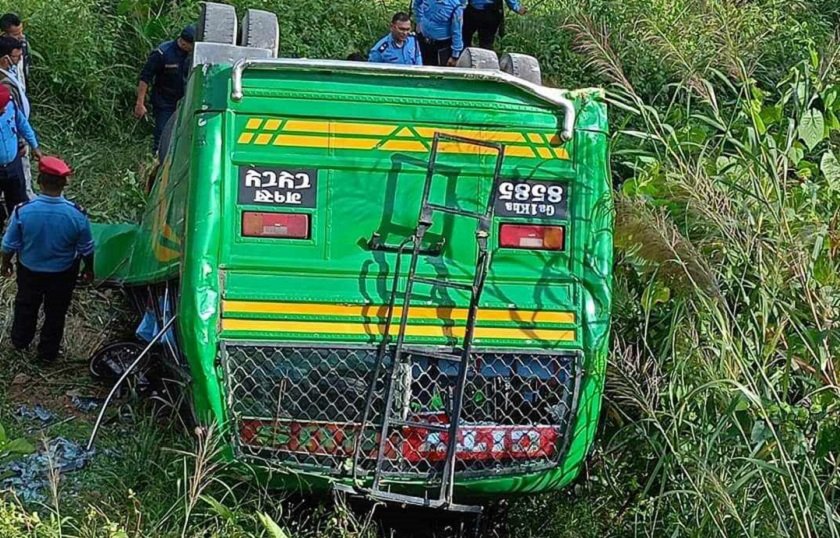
x=289 y=225
x=532 y=236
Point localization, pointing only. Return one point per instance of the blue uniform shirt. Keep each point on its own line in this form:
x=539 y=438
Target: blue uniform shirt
x=13 y=124
x=48 y=234
x=485 y=4
x=386 y=51
x=441 y=20
x=166 y=70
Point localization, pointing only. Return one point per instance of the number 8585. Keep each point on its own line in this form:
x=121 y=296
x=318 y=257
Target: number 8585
x=534 y=193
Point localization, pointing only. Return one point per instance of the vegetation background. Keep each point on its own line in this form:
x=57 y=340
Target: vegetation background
x=722 y=412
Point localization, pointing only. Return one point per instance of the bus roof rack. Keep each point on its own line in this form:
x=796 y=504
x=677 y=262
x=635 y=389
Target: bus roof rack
x=551 y=96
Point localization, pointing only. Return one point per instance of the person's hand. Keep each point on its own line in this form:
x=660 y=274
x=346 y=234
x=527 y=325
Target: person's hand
x=452 y=62
x=6 y=271
x=38 y=153
x=140 y=110
x=87 y=276
x=522 y=10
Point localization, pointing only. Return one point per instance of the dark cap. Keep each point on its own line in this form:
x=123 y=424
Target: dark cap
x=188 y=34
x=54 y=166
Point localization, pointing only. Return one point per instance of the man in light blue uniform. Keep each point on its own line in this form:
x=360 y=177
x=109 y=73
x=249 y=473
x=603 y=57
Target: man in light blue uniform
x=13 y=124
x=50 y=236
x=398 y=47
x=487 y=17
x=439 y=30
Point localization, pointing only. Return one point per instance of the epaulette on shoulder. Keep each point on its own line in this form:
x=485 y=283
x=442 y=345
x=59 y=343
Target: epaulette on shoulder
x=20 y=205
x=383 y=47
x=79 y=208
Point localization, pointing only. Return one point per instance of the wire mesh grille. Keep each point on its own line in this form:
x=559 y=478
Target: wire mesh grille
x=302 y=406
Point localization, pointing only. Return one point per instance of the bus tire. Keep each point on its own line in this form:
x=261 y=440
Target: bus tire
x=521 y=66
x=474 y=58
x=260 y=30
x=216 y=24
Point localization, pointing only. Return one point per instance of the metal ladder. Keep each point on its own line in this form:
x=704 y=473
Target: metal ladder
x=402 y=356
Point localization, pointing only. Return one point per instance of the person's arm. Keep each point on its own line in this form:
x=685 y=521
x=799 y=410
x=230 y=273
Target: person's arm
x=374 y=55
x=85 y=247
x=28 y=133
x=153 y=66
x=419 y=9
x=456 y=27
x=516 y=5
x=12 y=243
x=418 y=56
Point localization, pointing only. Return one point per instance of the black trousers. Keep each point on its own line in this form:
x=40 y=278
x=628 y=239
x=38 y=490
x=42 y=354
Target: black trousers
x=52 y=290
x=484 y=21
x=13 y=187
x=434 y=52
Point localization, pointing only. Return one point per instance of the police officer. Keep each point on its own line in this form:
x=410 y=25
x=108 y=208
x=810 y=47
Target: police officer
x=12 y=26
x=12 y=125
x=49 y=235
x=398 y=47
x=166 y=70
x=485 y=17
x=439 y=28
x=11 y=51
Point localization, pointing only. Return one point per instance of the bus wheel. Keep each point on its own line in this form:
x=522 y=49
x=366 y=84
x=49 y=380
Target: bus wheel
x=521 y=66
x=474 y=58
x=217 y=24
x=260 y=30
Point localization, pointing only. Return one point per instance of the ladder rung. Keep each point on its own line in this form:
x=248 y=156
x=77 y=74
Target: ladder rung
x=444 y=283
x=422 y=425
x=433 y=354
x=455 y=211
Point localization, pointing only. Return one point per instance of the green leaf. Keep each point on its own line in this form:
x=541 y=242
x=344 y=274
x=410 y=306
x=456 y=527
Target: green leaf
x=796 y=154
x=219 y=509
x=2 y=435
x=828 y=440
x=273 y=528
x=830 y=169
x=831 y=121
x=812 y=128
x=19 y=446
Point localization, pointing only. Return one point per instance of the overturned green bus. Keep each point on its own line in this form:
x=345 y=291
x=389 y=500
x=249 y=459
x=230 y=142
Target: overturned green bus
x=390 y=280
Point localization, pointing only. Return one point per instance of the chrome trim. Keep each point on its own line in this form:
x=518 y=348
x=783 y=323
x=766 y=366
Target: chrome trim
x=551 y=96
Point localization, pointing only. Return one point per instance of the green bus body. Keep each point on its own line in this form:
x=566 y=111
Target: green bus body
x=351 y=151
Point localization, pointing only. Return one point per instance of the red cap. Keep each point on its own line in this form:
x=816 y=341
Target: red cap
x=5 y=96
x=54 y=167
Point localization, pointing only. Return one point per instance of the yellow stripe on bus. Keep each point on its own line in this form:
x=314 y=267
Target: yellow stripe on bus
x=421 y=312
x=314 y=327
x=340 y=135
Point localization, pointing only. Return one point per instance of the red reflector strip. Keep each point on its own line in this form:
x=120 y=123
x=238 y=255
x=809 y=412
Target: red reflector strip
x=479 y=443
x=532 y=236
x=289 y=225
x=414 y=444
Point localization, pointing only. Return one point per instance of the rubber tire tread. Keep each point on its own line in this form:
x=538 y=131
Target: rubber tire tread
x=260 y=30
x=475 y=58
x=217 y=23
x=521 y=66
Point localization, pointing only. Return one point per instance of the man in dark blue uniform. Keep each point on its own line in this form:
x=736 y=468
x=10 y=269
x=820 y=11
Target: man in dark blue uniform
x=13 y=124
x=166 y=71
x=398 y=47
x=485 y=17
x=439 y=30
x=50 y=236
